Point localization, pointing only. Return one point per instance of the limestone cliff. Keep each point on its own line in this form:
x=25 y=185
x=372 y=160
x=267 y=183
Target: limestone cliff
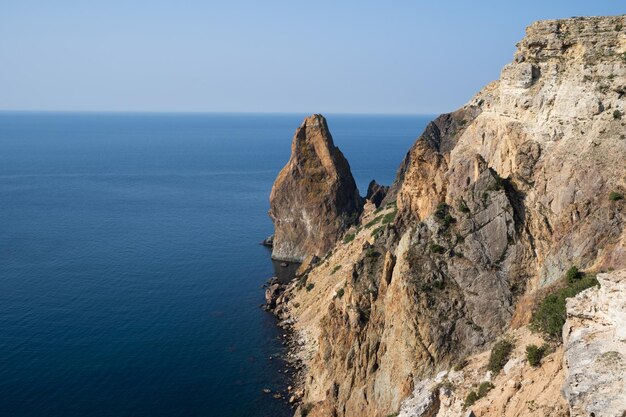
x=314 y=199
x=595 y=349
x=493 y=202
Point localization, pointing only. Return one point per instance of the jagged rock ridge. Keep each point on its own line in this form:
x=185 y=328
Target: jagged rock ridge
x=314 y=198
x=494 y=201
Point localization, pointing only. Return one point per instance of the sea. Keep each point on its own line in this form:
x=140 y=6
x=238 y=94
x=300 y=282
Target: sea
x=131 y=272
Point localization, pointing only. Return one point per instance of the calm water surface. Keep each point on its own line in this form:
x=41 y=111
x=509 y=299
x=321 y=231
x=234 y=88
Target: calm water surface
x=130 y=269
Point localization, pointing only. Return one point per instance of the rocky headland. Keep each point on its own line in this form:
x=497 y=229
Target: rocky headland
x=489 y=279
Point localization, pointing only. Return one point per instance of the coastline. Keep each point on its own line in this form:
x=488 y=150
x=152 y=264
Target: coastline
x=277 y=295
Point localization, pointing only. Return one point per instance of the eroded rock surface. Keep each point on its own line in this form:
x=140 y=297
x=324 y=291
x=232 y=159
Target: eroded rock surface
x=314 y=198
x=595 y=349
x=493 y=202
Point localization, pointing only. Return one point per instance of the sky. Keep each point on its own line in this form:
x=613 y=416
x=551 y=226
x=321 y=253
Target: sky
x=350 y=56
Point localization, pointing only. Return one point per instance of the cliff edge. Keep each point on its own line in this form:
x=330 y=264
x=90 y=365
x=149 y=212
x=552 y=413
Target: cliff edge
x=493 y=204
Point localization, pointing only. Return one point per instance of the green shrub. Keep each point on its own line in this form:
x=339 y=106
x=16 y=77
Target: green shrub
x=435 y=248
x=339 y=293
x=471 y=398
x=335 y=269
x=617 y=115
x=443 y=216
x=441 y=210
x=310 y=286
x=484 y=388
x=549 y=317
x=463 y=207
x=572 y=275
x=371 y=253
x=349 y=238
x=499 y=355
x=615 y=196
x=447 y=221
x=474 y=396
x=534 y=354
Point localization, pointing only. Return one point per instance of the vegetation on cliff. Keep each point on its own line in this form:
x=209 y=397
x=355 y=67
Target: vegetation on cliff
x=550 y=315
x=490 y=206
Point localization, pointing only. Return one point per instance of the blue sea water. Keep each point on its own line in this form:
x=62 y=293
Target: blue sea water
x=130 y=269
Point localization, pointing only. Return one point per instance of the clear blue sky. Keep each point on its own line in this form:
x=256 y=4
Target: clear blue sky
x=262 y=56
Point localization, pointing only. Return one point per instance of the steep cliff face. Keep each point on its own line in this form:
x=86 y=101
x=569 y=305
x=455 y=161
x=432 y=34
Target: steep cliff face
x=553 y=119
x=595 y=349
x=494 y=201
x=314 y=199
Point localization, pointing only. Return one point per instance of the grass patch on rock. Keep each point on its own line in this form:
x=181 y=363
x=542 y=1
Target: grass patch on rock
x=377 y=231
x=390 y=217
x=374 y=221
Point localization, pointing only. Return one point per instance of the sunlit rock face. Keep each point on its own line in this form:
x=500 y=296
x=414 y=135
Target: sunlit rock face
x=492 y=203
x=314 y=198
x=595 y=349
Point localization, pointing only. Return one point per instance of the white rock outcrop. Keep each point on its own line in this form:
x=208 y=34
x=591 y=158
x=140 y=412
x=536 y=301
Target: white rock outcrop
x=595 y=349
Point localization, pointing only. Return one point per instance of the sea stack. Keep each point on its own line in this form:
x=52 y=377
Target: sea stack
x=314 y=198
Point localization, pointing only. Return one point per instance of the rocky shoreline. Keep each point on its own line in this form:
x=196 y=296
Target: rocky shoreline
x=276 y=300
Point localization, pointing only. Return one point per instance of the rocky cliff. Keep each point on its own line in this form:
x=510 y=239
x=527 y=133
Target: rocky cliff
x=595 y=349
x=494 y=202
x=314 y=199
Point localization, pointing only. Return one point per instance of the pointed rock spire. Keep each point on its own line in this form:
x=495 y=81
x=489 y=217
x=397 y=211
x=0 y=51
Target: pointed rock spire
x=314 y=198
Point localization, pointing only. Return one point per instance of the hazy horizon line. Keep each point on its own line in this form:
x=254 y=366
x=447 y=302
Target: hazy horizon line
x=219 y=112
